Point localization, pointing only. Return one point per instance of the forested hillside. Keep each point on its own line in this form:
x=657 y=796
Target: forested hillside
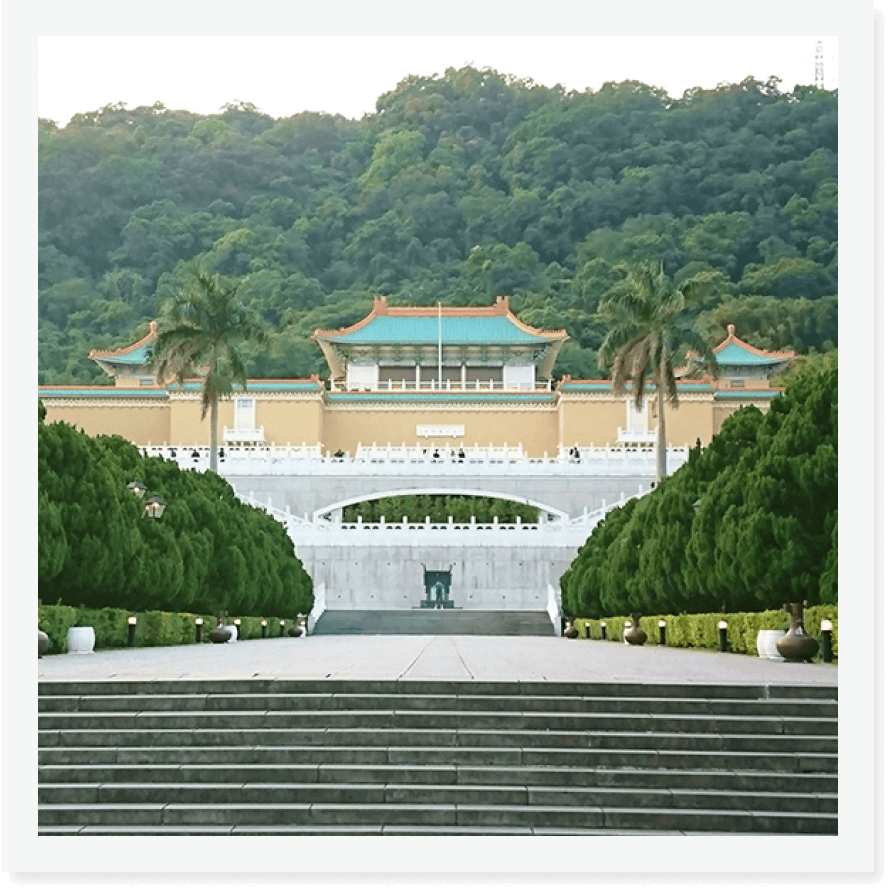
x=458 y=188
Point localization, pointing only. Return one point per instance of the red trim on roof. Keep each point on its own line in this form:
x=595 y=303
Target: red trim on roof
x=123 y=351
x=382 y=308
x=733 y=339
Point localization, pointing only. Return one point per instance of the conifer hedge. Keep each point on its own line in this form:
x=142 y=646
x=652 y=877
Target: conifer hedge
x=208 y=552
x=764 y=533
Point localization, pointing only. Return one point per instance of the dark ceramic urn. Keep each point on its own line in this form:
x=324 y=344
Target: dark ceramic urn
x=634 y=634
x=43 y=643
x=797 y=645
x=570 y=630
x=219 y=635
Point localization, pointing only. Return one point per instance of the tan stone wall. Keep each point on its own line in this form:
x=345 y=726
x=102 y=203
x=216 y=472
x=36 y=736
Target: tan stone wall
x=692 y=419
x=138 y=423
x=591 y=420
x=295 y=421
x=535 y=428
x=726 y=408
x=188 y=428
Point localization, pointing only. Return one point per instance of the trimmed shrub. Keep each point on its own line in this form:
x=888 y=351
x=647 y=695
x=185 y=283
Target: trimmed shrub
x=700 y=630
x=56 y=620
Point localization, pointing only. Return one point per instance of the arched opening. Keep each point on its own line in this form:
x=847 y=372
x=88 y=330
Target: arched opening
x=439 y=503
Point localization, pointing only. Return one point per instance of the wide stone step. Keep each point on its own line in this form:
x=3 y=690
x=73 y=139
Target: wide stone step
x=495 y=756
x=291 y=757
x=435 y=622
x=419 y=794
x=333 y=814
x=436 y=720
x=443 y=775
x=622 y=690
x=318 y=702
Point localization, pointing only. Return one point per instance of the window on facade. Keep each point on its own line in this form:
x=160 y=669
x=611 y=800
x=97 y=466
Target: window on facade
x=244 y=414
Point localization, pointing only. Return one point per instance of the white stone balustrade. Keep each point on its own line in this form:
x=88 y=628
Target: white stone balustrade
x=305 y=531
x=429 y=461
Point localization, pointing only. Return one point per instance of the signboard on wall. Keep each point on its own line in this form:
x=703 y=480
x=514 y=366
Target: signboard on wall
x=440 y=430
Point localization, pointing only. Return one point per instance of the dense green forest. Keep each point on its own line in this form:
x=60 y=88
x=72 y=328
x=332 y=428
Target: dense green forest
x=458 y=188
x=747 y=524
x=208 y=552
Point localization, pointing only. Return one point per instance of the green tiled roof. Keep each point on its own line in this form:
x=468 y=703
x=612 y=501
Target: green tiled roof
x=736 y=355
x=110 y=392
x=746 y=394
x=257 y=386
x=137 y=356
x=457 y=330
x=605 y=387
x=441 y=396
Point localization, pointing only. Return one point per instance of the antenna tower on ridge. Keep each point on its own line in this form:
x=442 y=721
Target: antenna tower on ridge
x=819 y=65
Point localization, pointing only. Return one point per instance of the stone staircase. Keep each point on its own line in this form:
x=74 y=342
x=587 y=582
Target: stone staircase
x=434 y=622
x=267 y=756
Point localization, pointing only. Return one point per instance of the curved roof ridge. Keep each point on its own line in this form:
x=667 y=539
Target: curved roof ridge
x=381 y=308
x=131 y=348
x=767 y=354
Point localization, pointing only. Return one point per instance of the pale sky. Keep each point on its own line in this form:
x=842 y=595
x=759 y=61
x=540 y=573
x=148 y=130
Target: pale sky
x=283 y=76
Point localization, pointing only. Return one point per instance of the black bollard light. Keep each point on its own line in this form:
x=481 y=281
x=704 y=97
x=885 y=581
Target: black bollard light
x=199 y=622
x=662 y=625
x=723 y=636
x=603 y=631
x=588 y=630
x=281 y=627
x=263 y=628
x=131 y=631
x=826 y=641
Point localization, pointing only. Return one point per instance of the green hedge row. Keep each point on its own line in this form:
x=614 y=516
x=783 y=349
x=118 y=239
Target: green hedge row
x=700 y=630
x=153 y=628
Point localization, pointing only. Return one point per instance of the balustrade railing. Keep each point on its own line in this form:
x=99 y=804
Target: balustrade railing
x=427 y=460
x=340 y=385
x=583 y=523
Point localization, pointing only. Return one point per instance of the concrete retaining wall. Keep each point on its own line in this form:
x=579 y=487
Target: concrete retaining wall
x=391 y=577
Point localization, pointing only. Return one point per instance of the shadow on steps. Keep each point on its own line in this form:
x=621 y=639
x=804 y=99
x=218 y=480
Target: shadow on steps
x=434 y=622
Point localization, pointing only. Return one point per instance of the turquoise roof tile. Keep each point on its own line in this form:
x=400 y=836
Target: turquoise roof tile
x=736 y=355
x=456 y=330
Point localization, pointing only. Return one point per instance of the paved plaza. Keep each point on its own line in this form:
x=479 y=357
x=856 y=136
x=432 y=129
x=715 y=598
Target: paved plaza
x=418 y=657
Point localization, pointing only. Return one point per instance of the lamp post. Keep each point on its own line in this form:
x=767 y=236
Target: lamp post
x=826 y=641
x=662 y=625
x=131 y=631
x=153 y=505
x=723 y=636
x=199 y=622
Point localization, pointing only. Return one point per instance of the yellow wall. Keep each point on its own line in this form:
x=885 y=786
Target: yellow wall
x=304 y=418
x=591 y=421
x=141 y=424
x=692 y=419
x=295 y=421
x=535 y=428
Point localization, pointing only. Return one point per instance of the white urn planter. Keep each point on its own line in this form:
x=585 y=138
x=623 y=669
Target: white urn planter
x=766 y=643
x=234 y=635
x=81 y=639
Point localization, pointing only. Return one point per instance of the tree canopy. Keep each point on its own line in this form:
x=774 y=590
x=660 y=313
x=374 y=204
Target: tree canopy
x=765 y=527
x=209 y=551
x=458 y=188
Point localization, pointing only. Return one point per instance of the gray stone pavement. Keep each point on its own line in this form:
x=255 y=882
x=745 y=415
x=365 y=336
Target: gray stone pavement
x=393 y=657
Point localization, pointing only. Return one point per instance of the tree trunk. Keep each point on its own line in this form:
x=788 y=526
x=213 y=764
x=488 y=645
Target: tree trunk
x=213 y=439
x=661 y=434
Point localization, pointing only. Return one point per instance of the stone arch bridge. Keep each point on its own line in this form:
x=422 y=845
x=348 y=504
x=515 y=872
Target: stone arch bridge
x=504 y=565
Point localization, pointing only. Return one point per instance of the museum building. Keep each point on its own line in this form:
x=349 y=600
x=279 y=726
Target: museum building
x=438 y=377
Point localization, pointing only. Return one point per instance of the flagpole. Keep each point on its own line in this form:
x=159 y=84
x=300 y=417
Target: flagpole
x=439 y=346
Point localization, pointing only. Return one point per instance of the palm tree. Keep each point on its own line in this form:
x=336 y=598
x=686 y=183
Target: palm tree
x=646 y=330
x=199 y=330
